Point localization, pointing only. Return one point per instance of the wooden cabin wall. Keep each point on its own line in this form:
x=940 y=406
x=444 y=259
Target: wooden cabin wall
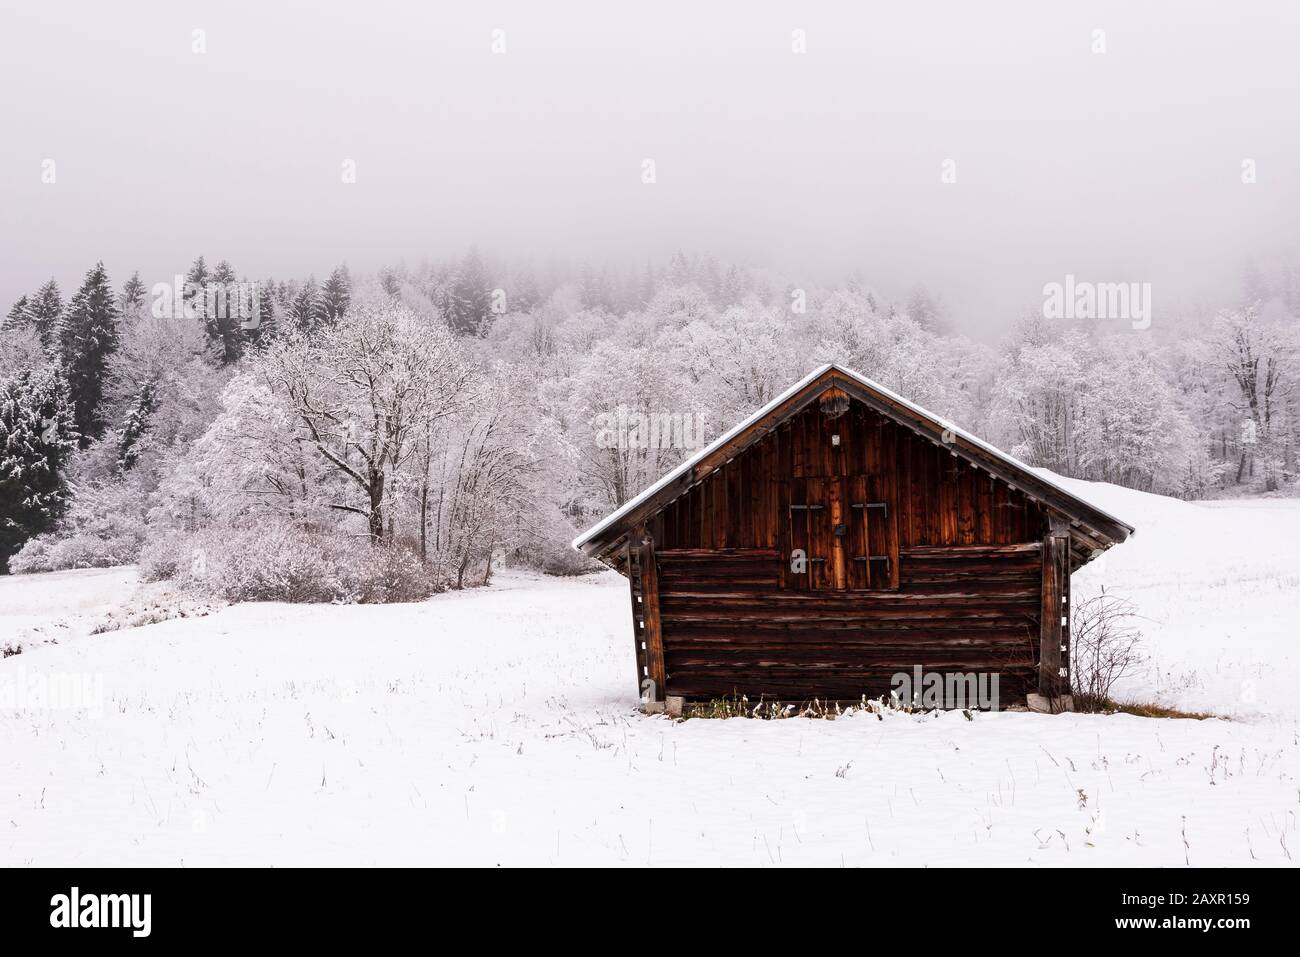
x=940 y=499
x=966 y=595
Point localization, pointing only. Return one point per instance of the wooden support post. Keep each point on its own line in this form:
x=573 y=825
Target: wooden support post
x=1056 y=588
x=643 y=575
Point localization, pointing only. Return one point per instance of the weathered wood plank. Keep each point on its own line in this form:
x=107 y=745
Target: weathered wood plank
x=653 y=622
x=1056 y=546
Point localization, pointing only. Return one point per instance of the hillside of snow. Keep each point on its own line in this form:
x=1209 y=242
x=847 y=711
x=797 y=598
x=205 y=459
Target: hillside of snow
x=1217 y=585
x=499 y=726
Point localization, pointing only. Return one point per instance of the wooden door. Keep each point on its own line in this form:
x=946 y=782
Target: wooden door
x=845 y=532
x=871 y=544
x=807 y=506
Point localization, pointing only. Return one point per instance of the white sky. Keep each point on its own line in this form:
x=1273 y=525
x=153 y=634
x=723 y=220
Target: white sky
x=1120 y=166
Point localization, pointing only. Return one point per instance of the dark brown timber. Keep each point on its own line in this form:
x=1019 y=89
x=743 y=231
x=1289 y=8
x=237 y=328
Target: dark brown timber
x=829 y=546
x=1056 y=590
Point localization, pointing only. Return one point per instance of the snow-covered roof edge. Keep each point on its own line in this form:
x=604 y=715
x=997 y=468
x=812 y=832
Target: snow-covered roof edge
x=632 y=503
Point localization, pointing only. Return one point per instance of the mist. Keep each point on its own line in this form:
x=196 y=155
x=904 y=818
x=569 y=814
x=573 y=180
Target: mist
x=1125 y=163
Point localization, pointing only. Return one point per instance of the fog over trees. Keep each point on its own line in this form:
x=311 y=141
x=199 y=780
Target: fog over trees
x=468 y=284
x=390 y=435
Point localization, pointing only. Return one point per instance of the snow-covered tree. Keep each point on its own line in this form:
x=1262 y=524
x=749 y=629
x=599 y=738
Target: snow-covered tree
x=224 y=309
x=1130 y=429
x=305 y=312
x=17 y=315
x=196 y=279
x=88 y=335
x=37 y=437
x=1037 y=397
x=135 y=424
x=361 y=393
x=132 y=301
x=1260 y=358
x=474 y=492
x=469 y=302
x=43 y=312
x=336 y=295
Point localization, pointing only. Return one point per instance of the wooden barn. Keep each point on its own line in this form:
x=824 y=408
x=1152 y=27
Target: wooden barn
x=842 y=535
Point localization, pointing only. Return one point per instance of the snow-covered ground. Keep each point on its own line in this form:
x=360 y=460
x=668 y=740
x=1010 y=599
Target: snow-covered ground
x=499 y=726
x=1218 y=587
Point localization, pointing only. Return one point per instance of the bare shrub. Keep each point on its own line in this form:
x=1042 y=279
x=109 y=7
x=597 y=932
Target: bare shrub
x=278 y=562
x=1105 y=646
x=164 y=555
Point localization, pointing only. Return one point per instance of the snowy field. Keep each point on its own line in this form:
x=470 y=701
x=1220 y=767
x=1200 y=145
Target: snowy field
x=499 y=727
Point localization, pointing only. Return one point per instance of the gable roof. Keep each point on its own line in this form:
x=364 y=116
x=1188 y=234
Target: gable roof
x=1092 y=529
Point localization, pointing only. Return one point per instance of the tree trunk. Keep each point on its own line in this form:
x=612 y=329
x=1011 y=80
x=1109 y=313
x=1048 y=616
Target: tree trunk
x=376 y=506
x=424 y=521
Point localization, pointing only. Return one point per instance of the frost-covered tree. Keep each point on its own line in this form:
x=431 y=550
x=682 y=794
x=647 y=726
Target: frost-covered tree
x=474 y=492
x=196 y=279
x=523 y=292
x=336 y=295
x=599 y=415
x=305 y=312
x=132 y=301
x=390 y=280
x=1037 y=397
x=20 y=349
x=469 y=299
x=267 y=324
x=88 y=336
x=37 y=437
x=161 y=392
x=1260 y=359
x=17 y=315
x=888 y=346
x=135 y=424
x=361 y=392
x=224 y=309
x=741 y=360
x=1130 y=429
x=43 y=312
x=249 y=465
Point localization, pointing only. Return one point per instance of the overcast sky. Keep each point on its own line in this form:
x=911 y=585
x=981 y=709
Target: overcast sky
x=1122 y=165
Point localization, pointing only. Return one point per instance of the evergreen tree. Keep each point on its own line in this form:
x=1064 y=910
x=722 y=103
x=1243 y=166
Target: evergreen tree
x=18 y=313
x=680 y=270
x=135 y=424
x=131 y=302
x=336 y=295
x=195 y=281
x=594 y=289
x=222 y=312
x=44 y=312
x=469 y=306
x=37 y=436
x=390 y=282
x=306 y=312
x=733 y=287
x=87 y=337
x=267 y=324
